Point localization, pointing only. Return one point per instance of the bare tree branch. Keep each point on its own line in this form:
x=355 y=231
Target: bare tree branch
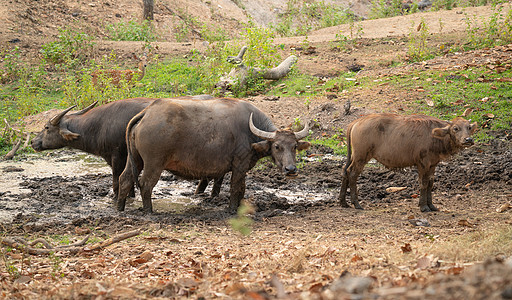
x=23 y=245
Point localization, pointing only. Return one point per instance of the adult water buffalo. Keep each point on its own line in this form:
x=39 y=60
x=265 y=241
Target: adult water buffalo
x=402 y=141
x=101 y=131
x=203 y=139
x=96 y=130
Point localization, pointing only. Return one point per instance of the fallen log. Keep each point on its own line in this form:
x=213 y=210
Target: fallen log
x=240 y=74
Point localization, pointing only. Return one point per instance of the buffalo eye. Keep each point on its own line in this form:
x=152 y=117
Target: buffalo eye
x=455 y=128
x=46 y=127
x=276 y=146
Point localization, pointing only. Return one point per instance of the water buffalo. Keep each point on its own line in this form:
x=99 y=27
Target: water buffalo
x=99 y=131
x=203 y=139
x=402 y=141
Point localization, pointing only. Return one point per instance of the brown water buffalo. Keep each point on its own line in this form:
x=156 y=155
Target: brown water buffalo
x=99 y=131
x=402 y=141
x=203 y=139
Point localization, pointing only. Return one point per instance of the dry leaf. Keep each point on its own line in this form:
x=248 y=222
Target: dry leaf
x=315 y=288
x=467 y=112
x=424 y=262
x=406 y=248
x=503 y=208
x=356 y=258
x=419 y=222
x=489 y=116
x=146 y=255
x=394 y=189
x=465 y=223
x=23 y=279
x=254 y=296
x=82 y=231
x=430 y=102
x=123 y=292
x=454 y=270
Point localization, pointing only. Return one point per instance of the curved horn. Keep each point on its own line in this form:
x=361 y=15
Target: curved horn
x=303 y=133
x=269 y=136
x=88 y=108
x=56 y=120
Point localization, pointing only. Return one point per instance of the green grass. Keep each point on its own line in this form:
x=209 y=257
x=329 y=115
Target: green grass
x=132 y=31
x=452 y=92
x=334 y=142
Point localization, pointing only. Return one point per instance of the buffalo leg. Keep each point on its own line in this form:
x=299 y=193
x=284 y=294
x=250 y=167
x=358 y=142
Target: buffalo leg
x=217 y=184
x=148 y=181
x=126 y=180
x=237 y=190
x=343 y=191
x=429 y=190
x=353 y=172
x=201 y=186
x=118 y=165
x=426 y=182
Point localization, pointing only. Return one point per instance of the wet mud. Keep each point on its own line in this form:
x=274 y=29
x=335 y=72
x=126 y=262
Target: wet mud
x=74 y=189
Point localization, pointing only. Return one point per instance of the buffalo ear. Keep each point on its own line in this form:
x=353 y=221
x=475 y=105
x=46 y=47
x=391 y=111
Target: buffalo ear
x=303 y=145
x=473 y=127
x=68 y=135
x=441 y=132
x=261 y=147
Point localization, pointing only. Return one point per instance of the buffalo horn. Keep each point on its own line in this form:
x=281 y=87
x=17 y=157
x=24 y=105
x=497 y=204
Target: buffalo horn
x=269 y=136
x=56 y=120
x=303 y=133
x=88 y=108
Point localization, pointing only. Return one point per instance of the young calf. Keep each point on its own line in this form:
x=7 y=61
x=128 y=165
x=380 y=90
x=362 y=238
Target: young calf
x=402 y=141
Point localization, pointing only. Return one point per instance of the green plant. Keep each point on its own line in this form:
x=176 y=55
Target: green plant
x=71 y=48
x=187 y=26
x=132 y=31
x=242 y=223
x=300 y=17
x=56 y=262
x=496 y=30
x=11 y=65
x=417 y=47
x=384 y=9
x=349 y=42
x=334 y=142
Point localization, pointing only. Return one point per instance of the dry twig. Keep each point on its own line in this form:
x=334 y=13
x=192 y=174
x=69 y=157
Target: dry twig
x=26 y=246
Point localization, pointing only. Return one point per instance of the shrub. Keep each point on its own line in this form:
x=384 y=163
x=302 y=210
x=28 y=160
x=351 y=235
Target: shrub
x=132 y=31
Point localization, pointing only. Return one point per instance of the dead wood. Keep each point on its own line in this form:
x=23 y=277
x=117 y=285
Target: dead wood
x=16 y=147
x=11 y=153
x=26 y=246
x=239 y=75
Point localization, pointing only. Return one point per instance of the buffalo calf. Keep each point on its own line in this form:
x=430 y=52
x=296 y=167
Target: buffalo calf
x=402 y=141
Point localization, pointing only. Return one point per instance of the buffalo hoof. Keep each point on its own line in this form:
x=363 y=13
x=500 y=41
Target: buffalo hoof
x=425 y=208
x=433 y=208
x=358 y=207
x=344 y=204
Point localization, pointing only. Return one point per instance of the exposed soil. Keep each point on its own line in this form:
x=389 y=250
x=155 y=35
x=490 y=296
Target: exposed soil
x=303 y=245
